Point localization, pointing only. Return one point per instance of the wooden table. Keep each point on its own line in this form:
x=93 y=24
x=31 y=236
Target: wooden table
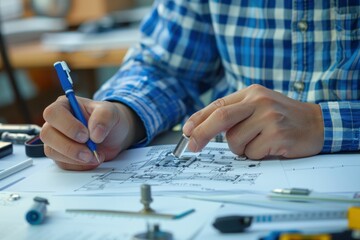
x=34 y=55
x=38 y=62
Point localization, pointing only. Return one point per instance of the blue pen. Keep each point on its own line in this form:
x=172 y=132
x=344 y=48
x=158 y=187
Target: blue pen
x=63 y=72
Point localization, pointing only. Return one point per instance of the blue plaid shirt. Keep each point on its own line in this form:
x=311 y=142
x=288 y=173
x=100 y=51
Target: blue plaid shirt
x=307 y=50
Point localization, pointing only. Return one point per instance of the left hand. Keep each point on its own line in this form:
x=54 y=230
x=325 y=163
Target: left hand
x=259 y=123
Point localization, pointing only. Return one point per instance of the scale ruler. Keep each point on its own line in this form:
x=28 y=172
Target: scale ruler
x=300 y=216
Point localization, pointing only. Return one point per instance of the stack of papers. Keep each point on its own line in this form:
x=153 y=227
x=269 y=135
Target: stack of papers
x=29 y=29
x=78 y=41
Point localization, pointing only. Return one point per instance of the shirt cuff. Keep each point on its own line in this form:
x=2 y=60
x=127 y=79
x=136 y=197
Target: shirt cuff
x=341 y=132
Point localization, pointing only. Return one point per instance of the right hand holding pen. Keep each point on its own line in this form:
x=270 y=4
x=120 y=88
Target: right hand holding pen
x=112 y=126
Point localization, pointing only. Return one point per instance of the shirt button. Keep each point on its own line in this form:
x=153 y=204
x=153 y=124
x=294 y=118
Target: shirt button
x=299 y=86
x=302 y=25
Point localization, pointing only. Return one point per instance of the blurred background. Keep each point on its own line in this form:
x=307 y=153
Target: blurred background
x=92 y=36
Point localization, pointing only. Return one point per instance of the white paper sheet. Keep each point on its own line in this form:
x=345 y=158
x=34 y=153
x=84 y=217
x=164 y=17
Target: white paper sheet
x=215 y=169
x=62 y=225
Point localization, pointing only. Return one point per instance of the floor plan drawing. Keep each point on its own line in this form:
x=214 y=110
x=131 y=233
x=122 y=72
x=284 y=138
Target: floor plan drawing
x=215 y=169
x=212 y=166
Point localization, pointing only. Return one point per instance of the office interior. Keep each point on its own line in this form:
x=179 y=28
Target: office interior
x=35 y=78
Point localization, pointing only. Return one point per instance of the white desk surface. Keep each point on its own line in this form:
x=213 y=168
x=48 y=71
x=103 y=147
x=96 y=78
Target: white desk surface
x=205 y=231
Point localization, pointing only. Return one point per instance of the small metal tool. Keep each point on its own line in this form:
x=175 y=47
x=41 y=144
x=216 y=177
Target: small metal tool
x=181 y=146
x=30 y=129
x=16 y=138
x=146 y=198
x=153 y=233
x=37 y=213
x=14 y=197
x=292 y=191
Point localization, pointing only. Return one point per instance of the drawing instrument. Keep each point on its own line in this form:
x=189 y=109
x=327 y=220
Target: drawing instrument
x=63 y=72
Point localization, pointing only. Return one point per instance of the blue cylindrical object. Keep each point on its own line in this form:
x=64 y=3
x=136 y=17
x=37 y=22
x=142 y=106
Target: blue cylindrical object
x=37 y=213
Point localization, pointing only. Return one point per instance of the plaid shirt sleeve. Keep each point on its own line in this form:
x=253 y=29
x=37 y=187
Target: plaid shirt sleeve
x=342 y=126
x=309 y=51
x=162 y=78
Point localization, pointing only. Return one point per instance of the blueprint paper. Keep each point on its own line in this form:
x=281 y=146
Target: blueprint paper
x=214 y=170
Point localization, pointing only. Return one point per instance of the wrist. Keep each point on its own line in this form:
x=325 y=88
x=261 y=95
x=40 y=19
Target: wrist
x=318 y=126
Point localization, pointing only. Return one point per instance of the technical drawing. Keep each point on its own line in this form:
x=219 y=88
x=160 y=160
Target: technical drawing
x=160 y=167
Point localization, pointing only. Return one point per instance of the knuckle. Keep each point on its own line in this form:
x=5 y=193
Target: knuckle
x=256 y=88
x=72 y=129
x=44 y=133
x=69 y=150
x=196 y=116
x=259 y=95
x=61 y=98
x=52 y=111
x=220 y=102
x=222 y=114
x=49 y=111
x=264 y=100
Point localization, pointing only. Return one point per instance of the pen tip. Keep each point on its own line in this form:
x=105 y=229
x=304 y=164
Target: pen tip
x=97 y=156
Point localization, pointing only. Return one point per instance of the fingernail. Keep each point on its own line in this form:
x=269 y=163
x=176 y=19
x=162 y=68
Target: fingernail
x=81 y=137
x=86 y=156
x=99 y=133
x=188 y=128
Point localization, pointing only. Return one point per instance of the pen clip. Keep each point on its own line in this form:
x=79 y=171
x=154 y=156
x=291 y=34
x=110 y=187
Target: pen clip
x=66 y=69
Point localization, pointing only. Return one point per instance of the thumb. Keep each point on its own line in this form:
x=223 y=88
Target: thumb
x=101 y=121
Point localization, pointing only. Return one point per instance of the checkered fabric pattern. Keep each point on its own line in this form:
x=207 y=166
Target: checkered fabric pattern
x=308 y=50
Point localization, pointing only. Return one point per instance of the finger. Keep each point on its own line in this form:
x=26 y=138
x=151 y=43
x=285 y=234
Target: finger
x=200 y=116
x=259 y=147
x=222 y=119
x=58 y=114
x=102 y=119
x=239 y=136
x=269 y=143
x=77 y=152
x=66 y=163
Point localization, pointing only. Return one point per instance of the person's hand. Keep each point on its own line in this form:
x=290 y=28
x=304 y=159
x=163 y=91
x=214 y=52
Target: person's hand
x=259 y=123
x=112 y=126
